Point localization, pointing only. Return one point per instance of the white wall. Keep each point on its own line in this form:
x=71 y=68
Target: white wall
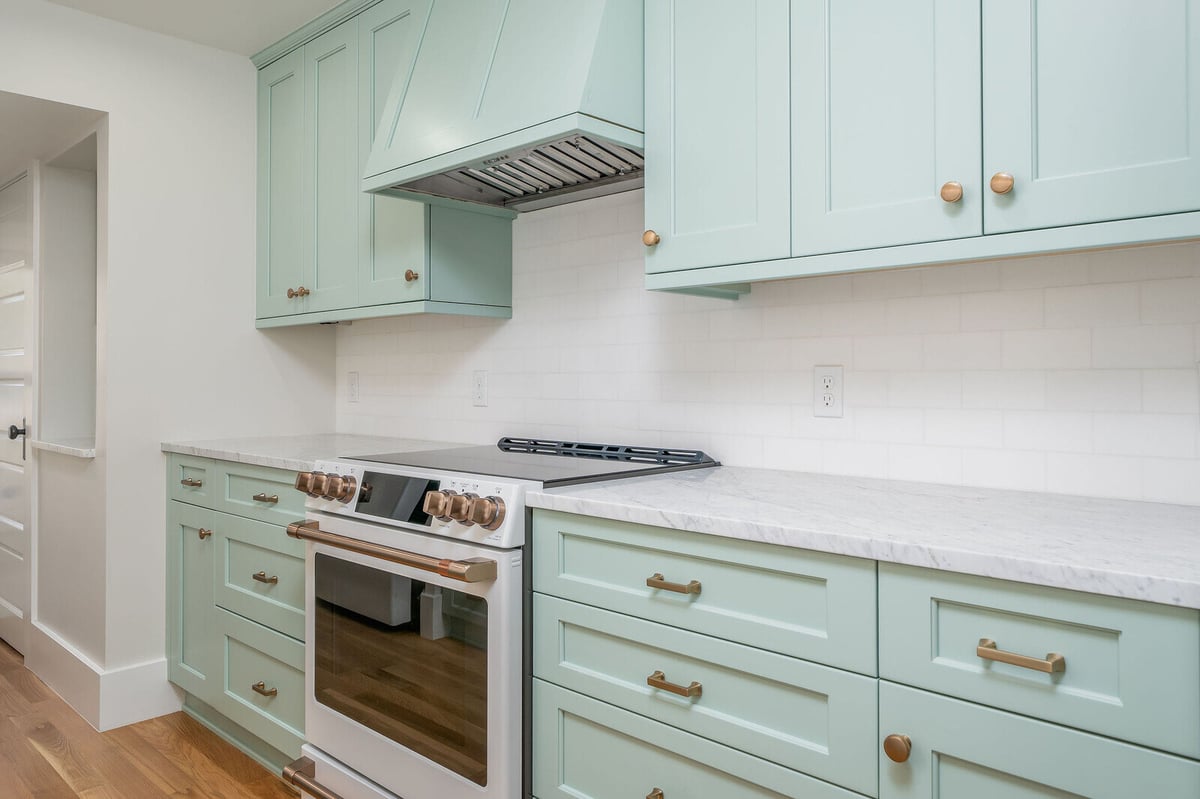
x=178 y=354
x=1070 y=373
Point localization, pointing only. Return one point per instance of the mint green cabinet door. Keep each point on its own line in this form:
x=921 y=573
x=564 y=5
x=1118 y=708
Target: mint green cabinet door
x=192 y=661
x=284 y=236
x=1094 y=110
x=717 y=133
x=393 y=258
x=885 y=111
x=331 y=106
x=961 y=751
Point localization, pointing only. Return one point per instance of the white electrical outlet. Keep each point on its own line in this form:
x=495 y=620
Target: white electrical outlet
x=827 y=391
x=479 y=389
x=352 y=386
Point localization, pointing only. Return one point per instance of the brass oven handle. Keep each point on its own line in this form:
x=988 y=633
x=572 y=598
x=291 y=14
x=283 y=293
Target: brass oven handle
x=659 y=680
x=300 y=774
x=191 y=482
x=471 y=570
x=264 y=497
x=658 y=581
x=261 y=688
x=263 y=578
x=655 y=793
x=1051 y=664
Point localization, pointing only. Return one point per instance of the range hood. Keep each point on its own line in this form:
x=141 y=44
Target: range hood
x=517 y=104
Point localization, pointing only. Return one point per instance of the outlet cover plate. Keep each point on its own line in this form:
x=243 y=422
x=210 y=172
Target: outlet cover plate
x=828 y=391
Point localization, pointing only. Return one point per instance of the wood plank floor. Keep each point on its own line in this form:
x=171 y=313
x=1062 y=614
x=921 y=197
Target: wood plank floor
x=47 y=751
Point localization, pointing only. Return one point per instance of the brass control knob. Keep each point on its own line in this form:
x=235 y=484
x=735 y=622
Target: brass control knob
x=437 y=504
x=1002 y=182
x=487 y=512
x=650 y=238
x=897 y=747
x=304 y=481
x=410 y=275
x=952 y=191
x=460 y=506
x=316 y=484
x=340 y=488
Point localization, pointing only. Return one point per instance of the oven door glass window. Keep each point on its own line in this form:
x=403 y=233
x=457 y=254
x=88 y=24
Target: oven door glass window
x=405 y=658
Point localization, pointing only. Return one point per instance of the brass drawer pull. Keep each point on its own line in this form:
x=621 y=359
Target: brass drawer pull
x=263 y=578
x=655 y=793
x=659 y=680
x=261 y=688
x=203 y=533
x=658 y=581
x=1052 y=664
x=264 y=497
x=191 y=482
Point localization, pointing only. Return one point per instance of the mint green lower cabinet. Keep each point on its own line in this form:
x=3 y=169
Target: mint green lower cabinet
x=1130 y=667
x=804 y=604
x=257 y=492
x=587 y=749
x=259 y=574
x=810 y=718
x=192 y=662
x=965 y=751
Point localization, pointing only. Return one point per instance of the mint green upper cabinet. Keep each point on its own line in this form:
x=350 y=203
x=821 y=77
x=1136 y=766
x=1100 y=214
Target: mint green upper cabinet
x=717 y=132
x=283 y=252
x=331 y=106
x=885 y=110
x=393 y=230
x=1095 y=111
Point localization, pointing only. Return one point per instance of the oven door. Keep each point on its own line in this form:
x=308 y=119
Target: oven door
x=414 y=676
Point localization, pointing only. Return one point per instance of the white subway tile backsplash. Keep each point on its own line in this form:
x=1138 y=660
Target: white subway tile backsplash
x=1074 y=373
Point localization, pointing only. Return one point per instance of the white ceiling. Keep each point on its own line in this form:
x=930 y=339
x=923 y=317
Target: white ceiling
x=239 y=26
x=31 y=128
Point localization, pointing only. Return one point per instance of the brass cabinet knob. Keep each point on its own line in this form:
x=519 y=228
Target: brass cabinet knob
x=203 y=533
x=897 y=747
x=650 y=238
x=410 y=275
x=952 y=191
x=655 y=793
x=1002 y=182
x=300 y=292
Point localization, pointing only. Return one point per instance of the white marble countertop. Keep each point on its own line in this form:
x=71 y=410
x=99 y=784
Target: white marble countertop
x=1139 y=550
x=298 y=452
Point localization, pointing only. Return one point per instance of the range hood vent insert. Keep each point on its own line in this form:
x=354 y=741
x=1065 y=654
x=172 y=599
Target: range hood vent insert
x=537 y=174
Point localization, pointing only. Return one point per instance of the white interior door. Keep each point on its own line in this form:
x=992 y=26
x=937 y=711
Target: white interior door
x=15 y=404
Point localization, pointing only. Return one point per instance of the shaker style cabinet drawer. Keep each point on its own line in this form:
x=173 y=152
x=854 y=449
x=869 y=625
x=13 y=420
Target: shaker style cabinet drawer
x=1121 y=668
x=961 y=750
x=263 y=689
x=191 y=479
x=586 y=749
x=258 y=492
x=810 y=718
x=809 y=605
x=259 y=573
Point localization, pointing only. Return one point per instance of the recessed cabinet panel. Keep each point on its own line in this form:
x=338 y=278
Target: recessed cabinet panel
x=717 y=132
x=284 y=253
x=192 y=660
x=1095 y=115
x=331 y=95
x=885 y=112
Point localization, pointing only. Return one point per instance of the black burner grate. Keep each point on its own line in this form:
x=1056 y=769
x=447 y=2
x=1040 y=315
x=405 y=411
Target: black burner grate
x=608 y=452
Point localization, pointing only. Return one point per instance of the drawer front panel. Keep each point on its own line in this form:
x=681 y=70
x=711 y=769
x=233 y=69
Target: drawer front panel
x=586 y=749
x=252 y=654
x=277 y=501
x=260 y=573
x=191 y=480
x=961 y=749
x=1129 y=668
x=805 y=604
x=807 y=717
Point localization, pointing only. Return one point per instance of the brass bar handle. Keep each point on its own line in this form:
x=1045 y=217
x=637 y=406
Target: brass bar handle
x=301 y=773
x=264 y=497
x=263 y=578
x=659 y=680
x=191 y=482
x=261 y=688
x=655 y=793
x=1053 y=663
x=471 y=570
x=658 y=581
x=203 y=533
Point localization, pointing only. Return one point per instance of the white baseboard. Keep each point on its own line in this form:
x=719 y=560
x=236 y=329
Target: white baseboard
x=106 y=699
